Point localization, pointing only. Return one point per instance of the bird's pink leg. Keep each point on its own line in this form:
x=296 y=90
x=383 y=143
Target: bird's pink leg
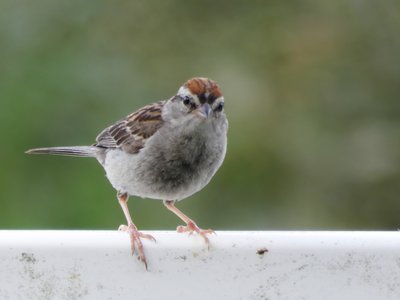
x=131 y=229
x=191 y=226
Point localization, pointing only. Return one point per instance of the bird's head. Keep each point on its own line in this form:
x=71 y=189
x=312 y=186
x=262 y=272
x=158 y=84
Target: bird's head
x=200 y=97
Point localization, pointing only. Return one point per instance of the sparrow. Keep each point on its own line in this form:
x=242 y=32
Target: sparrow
x=167 y=151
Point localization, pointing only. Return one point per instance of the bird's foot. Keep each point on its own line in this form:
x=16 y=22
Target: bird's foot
x=192 y=227
x=136 y=243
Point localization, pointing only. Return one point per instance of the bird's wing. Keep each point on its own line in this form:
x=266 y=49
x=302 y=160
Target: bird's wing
x=130 y=134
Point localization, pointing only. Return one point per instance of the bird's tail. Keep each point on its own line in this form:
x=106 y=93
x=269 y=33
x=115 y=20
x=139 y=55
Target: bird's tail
x=81 y=151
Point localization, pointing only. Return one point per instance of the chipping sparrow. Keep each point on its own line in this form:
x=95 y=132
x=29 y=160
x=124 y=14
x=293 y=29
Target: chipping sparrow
x=168 y=150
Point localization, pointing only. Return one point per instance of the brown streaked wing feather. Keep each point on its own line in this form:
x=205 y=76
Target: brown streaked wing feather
x=131 y=133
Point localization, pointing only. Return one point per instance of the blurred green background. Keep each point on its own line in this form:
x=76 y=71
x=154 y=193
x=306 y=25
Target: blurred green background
x=311 y=89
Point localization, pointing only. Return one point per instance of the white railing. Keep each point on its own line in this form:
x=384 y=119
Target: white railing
x=239 y=265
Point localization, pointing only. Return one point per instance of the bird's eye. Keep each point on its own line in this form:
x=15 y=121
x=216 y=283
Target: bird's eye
x=186 y=100
x=220 y=106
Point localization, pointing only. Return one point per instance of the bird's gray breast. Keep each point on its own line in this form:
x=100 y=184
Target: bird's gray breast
x=180 y=162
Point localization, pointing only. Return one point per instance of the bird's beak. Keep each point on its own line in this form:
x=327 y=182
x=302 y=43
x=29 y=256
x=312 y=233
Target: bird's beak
x=204 y=111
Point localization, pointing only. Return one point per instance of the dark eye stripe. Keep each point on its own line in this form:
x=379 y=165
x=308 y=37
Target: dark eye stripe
x=188 y=101
x=211 y=98
x=202 y=98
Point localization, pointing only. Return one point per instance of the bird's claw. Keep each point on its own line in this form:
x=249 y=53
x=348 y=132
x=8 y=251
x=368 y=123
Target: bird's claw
x=136 y=243
x=192 y=227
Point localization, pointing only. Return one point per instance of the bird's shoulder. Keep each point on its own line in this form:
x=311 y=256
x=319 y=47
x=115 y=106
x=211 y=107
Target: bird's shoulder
x=130 y=133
